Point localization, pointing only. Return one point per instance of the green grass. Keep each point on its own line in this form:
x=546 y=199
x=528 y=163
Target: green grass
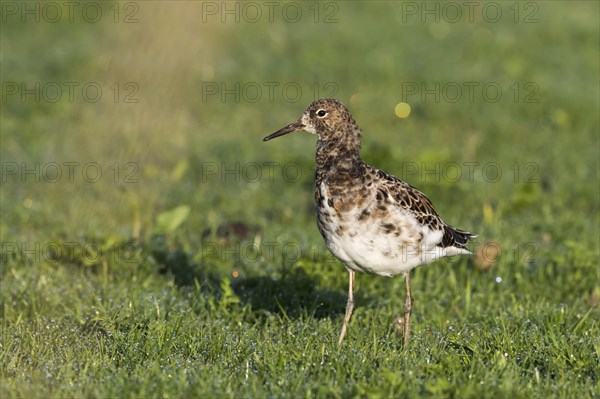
x=166 y=280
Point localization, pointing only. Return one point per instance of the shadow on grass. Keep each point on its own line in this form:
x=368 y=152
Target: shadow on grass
x=186 y=273
x=292 y=295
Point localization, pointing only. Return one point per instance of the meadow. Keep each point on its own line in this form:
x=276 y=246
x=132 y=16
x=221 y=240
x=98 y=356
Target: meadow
x=154 y=246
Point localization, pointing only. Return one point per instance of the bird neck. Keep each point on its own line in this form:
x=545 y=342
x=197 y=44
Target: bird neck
x=338 y=156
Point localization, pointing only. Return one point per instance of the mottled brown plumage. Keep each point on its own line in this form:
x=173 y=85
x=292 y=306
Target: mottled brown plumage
x=371 y=221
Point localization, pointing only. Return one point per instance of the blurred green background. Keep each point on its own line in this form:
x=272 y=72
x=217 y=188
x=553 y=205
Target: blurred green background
x=133 y=168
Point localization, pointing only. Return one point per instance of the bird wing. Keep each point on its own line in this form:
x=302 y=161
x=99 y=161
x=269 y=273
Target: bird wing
x=417 y=203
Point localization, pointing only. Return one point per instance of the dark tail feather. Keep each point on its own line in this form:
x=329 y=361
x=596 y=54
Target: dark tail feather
x=454 y=237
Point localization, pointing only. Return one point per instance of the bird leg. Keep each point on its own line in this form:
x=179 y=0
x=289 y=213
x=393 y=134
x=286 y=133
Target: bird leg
x=407 y=309
x=349 y=306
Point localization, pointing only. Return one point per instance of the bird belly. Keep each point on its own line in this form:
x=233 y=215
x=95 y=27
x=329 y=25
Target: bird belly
x=373 y=253
x=387 y=247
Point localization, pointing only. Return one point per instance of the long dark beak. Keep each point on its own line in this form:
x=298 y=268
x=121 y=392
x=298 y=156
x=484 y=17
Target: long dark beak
x=292 y=127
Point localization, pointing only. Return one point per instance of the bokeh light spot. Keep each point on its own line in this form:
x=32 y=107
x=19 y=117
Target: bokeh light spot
x=402 y=110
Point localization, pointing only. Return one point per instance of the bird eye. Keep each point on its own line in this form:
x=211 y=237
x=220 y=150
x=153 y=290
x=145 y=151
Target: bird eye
x=322 y=113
